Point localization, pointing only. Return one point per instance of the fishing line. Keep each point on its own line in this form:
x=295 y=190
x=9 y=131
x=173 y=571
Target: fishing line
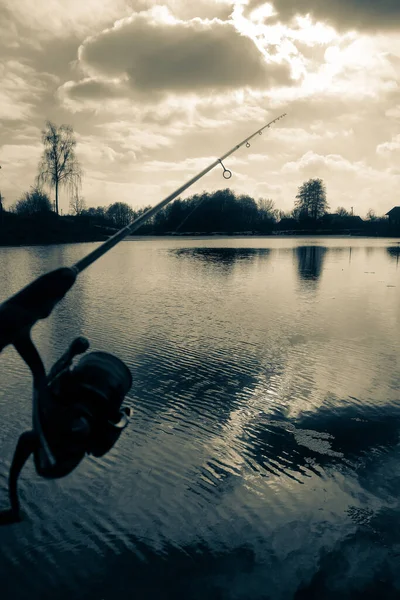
x=76 y=408
x=197 y=206
x=90 y=258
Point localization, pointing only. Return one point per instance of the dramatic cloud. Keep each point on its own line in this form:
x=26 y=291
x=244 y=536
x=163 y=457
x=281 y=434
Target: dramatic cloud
x=153 y=51
x=155 y=92
x=372 y=15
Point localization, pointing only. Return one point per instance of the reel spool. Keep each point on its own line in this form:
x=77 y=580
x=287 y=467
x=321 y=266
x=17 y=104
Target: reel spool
x=76 y=411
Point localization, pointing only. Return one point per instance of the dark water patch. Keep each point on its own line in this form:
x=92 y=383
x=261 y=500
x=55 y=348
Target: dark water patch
x=364 y=565
x=310 y=261
x=357 y=428
x=345 y=435
x=223 y=260
x=222 y=255
x=394 y=253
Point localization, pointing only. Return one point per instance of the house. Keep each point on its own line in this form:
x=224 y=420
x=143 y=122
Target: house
x=394 y=215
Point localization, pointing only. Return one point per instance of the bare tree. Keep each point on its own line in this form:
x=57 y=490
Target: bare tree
x=77 y=203
x=342 y=212
x=59 y=165
x=266 y=209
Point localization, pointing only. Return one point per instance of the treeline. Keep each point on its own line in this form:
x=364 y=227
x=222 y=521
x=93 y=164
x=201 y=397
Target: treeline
x=220 y=211
x=32 y=219
x=225 y=212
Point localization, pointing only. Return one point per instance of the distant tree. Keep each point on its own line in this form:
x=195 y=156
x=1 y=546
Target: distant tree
x=293 y=214
x=247 y=212
x=282 y=214
x=223 y=211
x=34 y=202
x=99 y=211
x=371 y=215
x=267 y=214
x=59 y=165
x=311 y=199
x=140 y=211
x=77 y=203
x=267 y=210
x=120 y=213
x=342 y=212
x=97 y=215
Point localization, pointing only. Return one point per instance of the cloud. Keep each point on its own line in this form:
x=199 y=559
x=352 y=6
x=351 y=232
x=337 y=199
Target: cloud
x=371 y=15
x=390 y=148
x=55 y=18
x=353 y=183
x=19 y=163
x=21 y=88
x=154 y=52
x=316 y=163
x=189 y=166
x=133 y=137
x=20 y=154
x=155 y=93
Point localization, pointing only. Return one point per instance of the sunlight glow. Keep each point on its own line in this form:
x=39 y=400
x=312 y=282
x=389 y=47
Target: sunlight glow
x=263 y=12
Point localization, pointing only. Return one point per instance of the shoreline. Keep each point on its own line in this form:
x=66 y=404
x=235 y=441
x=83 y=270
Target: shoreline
x=102 y=238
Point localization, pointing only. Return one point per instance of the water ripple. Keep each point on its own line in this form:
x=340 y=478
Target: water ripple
x=263 y=452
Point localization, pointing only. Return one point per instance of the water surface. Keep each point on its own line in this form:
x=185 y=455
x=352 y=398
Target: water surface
x=262 y=460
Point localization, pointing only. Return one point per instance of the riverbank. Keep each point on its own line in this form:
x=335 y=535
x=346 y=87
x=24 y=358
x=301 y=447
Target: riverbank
x=49 y=229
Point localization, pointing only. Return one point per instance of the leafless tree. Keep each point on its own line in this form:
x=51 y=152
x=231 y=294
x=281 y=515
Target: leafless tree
x=59 y=165
x=266 y=207
x=77 y=203
x=342 y=212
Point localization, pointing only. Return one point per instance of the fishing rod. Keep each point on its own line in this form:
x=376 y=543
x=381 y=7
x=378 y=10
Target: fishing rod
x=120 y=235
x=76 y=408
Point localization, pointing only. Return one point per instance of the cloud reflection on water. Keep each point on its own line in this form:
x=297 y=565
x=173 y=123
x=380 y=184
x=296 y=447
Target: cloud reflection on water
x=262 y=457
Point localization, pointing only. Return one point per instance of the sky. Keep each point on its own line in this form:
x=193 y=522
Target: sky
x=155 y=92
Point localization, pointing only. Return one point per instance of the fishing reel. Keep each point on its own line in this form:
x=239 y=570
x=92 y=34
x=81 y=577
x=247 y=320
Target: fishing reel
x=80 y=412
x=77 y=407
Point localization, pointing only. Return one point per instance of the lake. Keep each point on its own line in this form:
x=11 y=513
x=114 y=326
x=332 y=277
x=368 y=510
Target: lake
x=262 y=460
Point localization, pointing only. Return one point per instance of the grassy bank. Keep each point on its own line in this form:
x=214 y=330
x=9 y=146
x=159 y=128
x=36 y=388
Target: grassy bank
x=49 y=229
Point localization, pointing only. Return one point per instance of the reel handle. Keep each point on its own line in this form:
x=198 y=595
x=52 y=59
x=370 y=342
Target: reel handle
x=19 y=313
x=78 y=346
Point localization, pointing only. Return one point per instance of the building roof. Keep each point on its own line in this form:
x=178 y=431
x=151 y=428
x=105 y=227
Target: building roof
x=346 y=218
x=394 y=212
